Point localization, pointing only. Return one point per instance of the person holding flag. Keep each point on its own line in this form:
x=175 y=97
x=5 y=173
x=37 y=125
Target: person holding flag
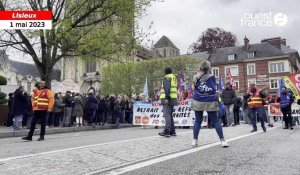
x=286 y=100
x=254 y=97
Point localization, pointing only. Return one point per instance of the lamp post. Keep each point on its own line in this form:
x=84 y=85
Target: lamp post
x=90 y=80
x=97 y=76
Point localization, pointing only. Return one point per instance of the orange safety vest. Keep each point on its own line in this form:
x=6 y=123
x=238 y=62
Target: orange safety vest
x=41 y=100
x=34 y=99
x=255 y=101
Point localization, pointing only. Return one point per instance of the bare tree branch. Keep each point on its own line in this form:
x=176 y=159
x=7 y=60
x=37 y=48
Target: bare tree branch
x=87 y=14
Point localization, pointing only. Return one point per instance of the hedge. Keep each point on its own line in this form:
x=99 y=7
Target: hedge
x=3 y=80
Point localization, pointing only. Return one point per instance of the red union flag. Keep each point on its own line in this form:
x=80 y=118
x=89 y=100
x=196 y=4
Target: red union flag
x=25 y=19
x=293 y=82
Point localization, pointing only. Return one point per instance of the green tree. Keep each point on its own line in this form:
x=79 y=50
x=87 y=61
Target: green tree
x=3 y=81
x=91 y=29
x=129 y=78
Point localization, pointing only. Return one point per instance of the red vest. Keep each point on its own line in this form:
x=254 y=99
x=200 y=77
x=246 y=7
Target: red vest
x=41 y=100
x=255 y=101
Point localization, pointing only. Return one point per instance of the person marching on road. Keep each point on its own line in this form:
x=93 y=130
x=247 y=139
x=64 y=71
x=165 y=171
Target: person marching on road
x=42 y=102
x=254 y=97
x=229 y=96
x=206 y=99
x=286 y=100
x=168 y=99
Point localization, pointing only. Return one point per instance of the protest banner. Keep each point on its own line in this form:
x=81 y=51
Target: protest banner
x=151 y=113
x=275 y=111
x=293 y=83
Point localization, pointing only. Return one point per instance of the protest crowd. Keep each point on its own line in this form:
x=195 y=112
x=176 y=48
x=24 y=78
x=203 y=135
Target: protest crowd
x=73 y=109
x=87 y=109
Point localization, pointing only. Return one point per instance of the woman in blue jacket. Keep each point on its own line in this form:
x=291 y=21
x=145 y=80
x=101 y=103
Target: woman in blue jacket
x=206 y=99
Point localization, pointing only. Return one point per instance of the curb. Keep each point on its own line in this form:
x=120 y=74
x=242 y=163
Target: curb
x=60 y=130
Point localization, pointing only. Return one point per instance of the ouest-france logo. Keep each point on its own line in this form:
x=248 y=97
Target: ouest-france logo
x=262 y=19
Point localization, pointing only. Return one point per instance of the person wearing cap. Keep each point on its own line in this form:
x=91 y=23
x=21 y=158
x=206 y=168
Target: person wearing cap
x=255 y=97
x=168 y=97
x=205 y=98
x=286 y=100
x=42 y=102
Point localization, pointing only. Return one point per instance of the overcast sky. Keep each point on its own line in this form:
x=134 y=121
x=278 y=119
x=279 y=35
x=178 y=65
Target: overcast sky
x=183 y=21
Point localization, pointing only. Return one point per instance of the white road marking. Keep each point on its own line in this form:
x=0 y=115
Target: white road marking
x=78 y=134
x=79 y=147
x=172 y=156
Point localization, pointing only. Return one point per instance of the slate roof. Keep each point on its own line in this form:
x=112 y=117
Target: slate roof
x=203 y=55
x=264 y=49
x=30 y=69
x=147 y=54
x=164 y=42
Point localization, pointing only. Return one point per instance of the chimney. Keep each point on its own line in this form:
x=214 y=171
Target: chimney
x=277 y=42
x=246 y=43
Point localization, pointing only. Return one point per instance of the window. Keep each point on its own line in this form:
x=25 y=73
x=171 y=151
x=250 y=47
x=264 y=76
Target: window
x=231 y=57
x=276 y=67
x=274 y=83
x=250 y=54
x=233 y=70
x=251 y=81
x=90 y=66
x=250 y=69
x=215 y=71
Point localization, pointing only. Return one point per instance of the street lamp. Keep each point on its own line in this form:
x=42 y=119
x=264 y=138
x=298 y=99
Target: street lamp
x=84 y=77
x=97 y=75
x=90 y=80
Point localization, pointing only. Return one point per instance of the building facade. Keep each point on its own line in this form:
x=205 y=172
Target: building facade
x=80 y=74
x=262 y=63
x=20 y=74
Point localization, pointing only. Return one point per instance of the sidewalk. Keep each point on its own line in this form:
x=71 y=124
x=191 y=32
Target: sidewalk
x=10 y=132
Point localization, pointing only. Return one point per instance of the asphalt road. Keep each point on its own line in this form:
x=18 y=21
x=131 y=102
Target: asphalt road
x=14 y=146
x=273 y=153
x=142 y=151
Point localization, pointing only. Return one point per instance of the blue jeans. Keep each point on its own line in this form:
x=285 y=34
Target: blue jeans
x=214 y=122
x=259 y=112
x=17 y=121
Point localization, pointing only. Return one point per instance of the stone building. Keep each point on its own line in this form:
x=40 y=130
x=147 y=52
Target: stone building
x=20 y=74
x=165 y=47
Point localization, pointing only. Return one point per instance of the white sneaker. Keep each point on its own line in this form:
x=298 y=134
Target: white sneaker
x=224 y=144
x=195 y=142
